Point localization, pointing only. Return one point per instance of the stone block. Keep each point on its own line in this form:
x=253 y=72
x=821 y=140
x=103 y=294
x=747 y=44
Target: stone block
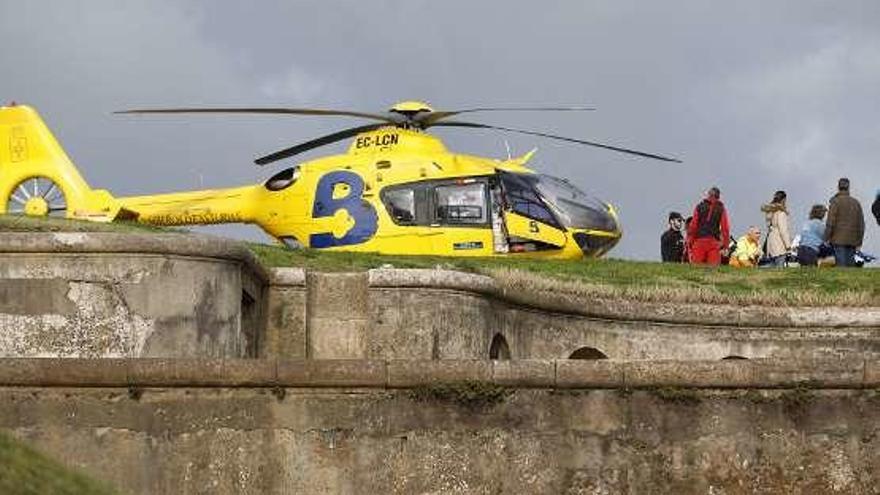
x=331 y=338
x=289 y=276
x=404 y=373
x=88 y=295
x=285 y=333
x=20 y=372
x=52 y=372
x=249 y=372
x=524 y=373
x=715 y=374
x=337 y=295
x=434 y=278
x=589 y=374
x=176 y=372
x=872 y=374
x=331 y=373
x=820 y=373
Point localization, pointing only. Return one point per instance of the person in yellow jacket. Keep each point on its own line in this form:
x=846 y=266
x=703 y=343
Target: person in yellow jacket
x=748 y=252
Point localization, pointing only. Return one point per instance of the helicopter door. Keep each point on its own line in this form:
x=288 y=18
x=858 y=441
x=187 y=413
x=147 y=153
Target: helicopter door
x=531 y=226
x=460 y=207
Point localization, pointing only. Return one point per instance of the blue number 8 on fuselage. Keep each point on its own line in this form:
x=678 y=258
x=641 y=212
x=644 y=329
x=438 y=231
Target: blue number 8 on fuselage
x=362 y=212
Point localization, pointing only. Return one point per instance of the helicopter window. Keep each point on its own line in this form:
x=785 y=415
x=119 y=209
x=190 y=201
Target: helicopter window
x=401 y=205
x=522 y=199
x=461 y=203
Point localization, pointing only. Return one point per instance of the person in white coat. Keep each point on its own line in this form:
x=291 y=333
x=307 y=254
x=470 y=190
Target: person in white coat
x=778 y=242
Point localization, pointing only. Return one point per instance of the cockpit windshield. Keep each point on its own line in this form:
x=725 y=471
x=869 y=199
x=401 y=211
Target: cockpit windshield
x=573 y=207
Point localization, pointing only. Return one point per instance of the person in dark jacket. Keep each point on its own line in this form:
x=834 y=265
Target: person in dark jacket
x=875 y=208
x=708 y=227
x=672 y=241
x=845 y=225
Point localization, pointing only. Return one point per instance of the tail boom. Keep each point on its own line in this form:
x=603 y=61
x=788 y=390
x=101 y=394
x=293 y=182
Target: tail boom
x=192 y=208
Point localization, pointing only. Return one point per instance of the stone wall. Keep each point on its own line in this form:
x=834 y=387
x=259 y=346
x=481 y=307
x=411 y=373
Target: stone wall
x=284 y=427
x=381 y=382
x=127 y=295
x=437 y=314
x=176 y=295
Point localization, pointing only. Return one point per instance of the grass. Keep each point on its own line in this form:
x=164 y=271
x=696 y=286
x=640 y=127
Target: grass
x=21 y=223
x=610 y=278
x=607 y=279
x=339 y=261
x=604 y=278
x=24 y=471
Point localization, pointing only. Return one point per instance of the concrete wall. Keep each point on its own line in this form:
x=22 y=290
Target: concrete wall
x=436 y=314
x=261 y=426
x=126 y=295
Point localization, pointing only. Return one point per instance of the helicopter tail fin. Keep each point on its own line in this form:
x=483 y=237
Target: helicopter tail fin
x=37 y=177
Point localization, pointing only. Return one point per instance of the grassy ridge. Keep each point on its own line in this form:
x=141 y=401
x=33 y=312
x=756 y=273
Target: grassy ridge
x=640 y=280
x=24 y=471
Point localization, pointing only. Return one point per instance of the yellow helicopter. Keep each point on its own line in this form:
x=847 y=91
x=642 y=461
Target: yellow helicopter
x=397 y=190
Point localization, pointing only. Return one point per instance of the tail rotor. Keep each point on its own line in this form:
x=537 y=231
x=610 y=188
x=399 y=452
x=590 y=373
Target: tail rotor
x=37 y=196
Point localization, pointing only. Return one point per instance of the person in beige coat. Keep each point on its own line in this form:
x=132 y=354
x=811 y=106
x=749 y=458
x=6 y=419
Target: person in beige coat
x=778 y=234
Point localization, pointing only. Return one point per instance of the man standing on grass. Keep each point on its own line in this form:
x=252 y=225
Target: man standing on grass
x=845 y=225
x=709 y=229
x=672 y=242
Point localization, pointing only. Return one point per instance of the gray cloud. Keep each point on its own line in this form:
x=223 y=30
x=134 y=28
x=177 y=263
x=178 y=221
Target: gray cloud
x=755 y=96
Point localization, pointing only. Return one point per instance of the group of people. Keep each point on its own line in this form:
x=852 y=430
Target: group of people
x=704 y=237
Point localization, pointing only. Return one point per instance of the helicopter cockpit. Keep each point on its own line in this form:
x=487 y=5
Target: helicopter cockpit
x=574 y=207
x=559 y=204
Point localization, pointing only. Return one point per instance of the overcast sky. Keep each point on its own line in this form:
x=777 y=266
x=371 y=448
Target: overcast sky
x=754 y=96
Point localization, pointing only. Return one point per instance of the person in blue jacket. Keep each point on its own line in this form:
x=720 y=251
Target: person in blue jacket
x=811 y=237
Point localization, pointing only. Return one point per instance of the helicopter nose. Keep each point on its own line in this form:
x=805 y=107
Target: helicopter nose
x=594 y=245
x=601 y=235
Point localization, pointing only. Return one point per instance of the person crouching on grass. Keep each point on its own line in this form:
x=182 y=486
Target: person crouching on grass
x=811 y=237
x=707 y=229
x=748 y=252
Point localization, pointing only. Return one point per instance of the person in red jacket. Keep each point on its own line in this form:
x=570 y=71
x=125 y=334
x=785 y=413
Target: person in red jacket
x=708 y=229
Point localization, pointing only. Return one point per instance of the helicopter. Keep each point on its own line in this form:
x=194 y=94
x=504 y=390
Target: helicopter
x=397 y=190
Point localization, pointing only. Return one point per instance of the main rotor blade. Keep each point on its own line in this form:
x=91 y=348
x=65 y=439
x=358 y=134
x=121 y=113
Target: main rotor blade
x=429 y=118
x=316 y=143
x=273 y=111
x=560 y=138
